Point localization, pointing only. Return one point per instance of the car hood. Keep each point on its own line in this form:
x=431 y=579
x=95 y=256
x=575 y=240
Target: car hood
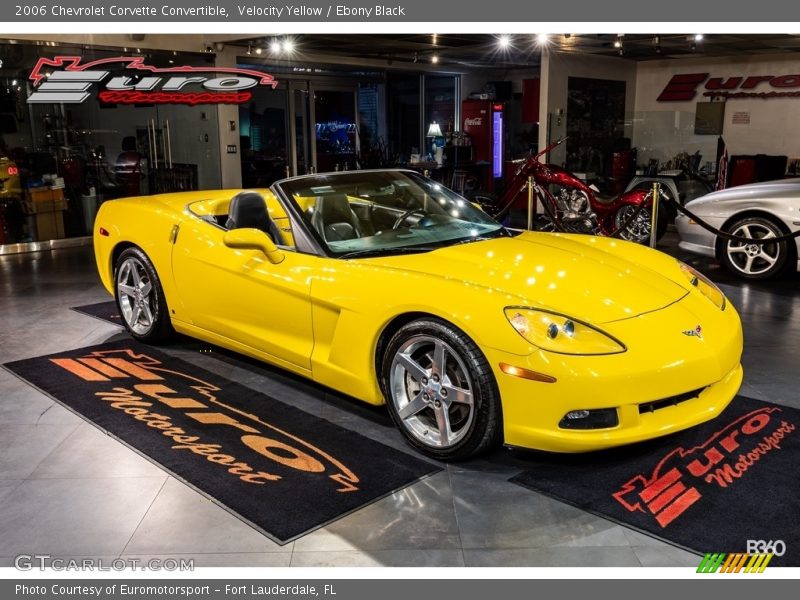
x=549 y=271
x=781 y=188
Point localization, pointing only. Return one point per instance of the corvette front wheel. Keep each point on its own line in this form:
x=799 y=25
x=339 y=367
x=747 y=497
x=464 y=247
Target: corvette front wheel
x=440 y=390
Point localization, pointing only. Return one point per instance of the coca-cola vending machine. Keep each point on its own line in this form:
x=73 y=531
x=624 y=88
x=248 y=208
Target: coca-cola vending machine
x=483 y=122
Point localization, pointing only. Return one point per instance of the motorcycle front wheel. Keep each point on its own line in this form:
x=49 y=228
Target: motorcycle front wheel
x=638 y=230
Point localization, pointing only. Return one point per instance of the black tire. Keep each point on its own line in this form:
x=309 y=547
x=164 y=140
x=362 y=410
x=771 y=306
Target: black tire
x=477 y=426
x=156 y=329
x=751 y=261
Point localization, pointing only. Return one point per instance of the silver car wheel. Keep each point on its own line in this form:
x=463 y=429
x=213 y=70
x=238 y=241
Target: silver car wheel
x=136 y=298
x=753 y=259
x=639 y=230
x=432 y=391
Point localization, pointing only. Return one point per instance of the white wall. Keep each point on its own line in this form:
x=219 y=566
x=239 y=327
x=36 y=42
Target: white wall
x=230 y=165
x=557 y=68
x=663 y=129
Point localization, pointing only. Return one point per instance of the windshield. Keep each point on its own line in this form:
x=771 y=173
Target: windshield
x=385 y=212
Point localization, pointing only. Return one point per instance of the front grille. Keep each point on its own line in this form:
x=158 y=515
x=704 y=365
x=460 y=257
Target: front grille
x=649 y=407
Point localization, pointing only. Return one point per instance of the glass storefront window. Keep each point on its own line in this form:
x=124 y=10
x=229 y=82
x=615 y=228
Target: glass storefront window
x=372 y=125
x=335 y=129
x=263 y=130
x=403 y=114
x=409 y=120
x=440 y=102
x=70 y=157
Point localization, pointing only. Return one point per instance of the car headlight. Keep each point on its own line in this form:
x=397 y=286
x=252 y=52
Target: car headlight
x=558 y=333
x=704 y=285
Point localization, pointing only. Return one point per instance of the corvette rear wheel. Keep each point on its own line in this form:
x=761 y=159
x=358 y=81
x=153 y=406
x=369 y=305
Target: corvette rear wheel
x=140 y=298
x=755 y=261
x=440 y=390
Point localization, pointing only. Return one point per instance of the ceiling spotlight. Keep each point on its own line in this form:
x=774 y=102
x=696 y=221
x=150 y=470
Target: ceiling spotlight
x=542 y=38
x=693 y=47
x=288 y=46
x=504 y=41
x=258 y=51
x=617 y=43
x=434 y=39
x=13 y=82
x=698 y=37
x=435 y=59
x=275 y=46
x=249 y=49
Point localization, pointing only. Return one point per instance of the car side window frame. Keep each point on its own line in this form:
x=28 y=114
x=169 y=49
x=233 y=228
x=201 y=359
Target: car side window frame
x=304 y=240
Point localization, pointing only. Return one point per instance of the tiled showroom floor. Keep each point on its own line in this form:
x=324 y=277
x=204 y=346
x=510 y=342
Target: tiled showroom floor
x=68 y=490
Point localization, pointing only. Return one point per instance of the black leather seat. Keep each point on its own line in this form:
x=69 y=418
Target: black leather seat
x=249 y=210
x=334 y=220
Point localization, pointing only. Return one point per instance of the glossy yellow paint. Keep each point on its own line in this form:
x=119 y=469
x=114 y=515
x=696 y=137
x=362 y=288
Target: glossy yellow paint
x=322 y=318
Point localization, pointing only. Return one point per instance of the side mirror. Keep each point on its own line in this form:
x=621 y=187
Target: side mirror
x=253 y=239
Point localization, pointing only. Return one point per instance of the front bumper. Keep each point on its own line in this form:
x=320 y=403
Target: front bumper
x=661 y=362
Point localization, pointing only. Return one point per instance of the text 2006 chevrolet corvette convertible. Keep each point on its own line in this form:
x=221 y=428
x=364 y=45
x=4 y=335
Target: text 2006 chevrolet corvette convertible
x=392 y=289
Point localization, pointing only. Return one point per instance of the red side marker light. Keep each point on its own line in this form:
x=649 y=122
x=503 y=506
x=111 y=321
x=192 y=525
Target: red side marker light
x=103 y=231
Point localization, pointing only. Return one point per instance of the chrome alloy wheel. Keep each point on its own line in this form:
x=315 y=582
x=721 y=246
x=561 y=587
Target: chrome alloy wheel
x=753 y=259
x=432 y=391
x=639 y=230
x=137 y=301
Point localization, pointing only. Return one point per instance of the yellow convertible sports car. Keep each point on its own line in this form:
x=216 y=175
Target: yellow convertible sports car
x=390 y=288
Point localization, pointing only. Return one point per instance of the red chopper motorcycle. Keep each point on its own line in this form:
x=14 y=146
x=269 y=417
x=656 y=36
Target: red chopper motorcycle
x=572 y=206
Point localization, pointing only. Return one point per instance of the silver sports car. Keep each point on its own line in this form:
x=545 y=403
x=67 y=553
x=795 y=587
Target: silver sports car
x=757 y=210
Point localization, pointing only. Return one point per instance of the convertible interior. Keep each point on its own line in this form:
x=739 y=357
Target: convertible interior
x=335 y=216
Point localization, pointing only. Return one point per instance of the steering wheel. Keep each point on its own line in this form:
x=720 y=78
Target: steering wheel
x=406 y=215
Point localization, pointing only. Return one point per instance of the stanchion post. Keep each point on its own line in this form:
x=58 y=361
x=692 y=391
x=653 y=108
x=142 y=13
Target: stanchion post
x=654 y=216
x=530 y=202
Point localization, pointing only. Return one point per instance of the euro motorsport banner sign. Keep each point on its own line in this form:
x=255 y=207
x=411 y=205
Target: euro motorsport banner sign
x=130 y=80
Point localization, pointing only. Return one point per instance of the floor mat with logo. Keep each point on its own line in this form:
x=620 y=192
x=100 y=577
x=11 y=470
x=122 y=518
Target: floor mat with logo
x=280 y=468
x=708 y=489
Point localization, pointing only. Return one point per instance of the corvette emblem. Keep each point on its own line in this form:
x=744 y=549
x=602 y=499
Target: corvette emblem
x=696 y=332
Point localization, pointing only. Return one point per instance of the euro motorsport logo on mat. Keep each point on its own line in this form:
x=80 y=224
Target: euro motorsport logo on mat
x=200 y=402
x=721 y=460
x=283 y=469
